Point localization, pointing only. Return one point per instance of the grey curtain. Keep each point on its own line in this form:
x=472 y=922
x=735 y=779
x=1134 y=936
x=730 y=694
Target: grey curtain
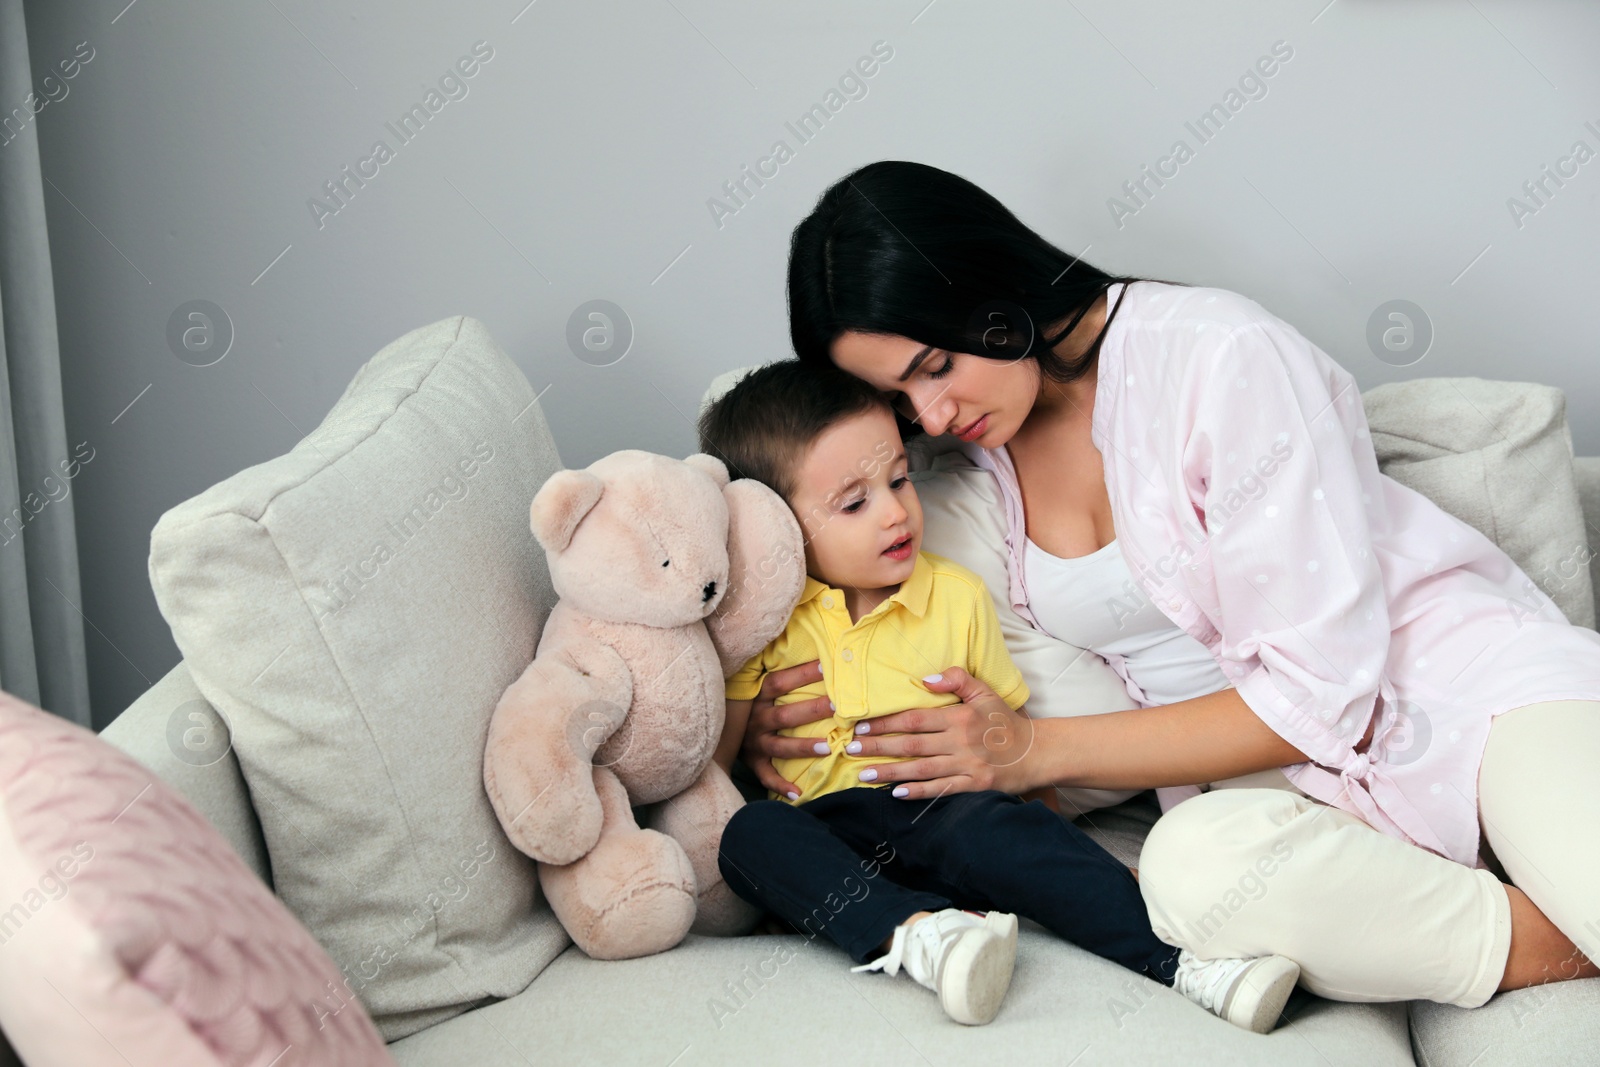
x=41 y=625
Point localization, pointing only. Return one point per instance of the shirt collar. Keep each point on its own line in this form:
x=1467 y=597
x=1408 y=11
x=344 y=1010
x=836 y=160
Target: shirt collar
x=913 y=593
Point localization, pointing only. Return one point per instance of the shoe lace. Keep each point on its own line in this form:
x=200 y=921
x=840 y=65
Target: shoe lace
x=890 y=961
x=921 y=947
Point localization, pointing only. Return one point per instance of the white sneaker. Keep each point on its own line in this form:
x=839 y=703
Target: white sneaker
x=1247 y=992
x=965 y=957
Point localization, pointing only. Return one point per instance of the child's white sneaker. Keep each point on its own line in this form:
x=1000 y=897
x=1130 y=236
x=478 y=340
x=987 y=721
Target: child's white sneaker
x=1247 y=992
x=965 y=957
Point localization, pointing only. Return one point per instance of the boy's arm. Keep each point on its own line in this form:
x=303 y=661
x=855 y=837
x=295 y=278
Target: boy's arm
x=733 y=725
x=988 y=659
x=745 y=680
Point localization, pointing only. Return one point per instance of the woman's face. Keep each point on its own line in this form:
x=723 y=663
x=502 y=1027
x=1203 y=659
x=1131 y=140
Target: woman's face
x=980 y=400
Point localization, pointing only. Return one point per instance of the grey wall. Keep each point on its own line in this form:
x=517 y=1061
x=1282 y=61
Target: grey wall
x=1377 y=166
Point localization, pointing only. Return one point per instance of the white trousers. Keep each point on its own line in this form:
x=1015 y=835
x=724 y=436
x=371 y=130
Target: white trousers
x=1246 y=871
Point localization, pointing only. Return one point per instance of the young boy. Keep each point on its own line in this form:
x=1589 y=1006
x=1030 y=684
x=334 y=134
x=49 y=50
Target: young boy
x=879 y=874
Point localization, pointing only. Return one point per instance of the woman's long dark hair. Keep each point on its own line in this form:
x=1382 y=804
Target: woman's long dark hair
x=910 y=250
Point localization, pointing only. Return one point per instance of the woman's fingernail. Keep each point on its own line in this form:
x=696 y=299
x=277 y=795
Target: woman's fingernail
x=933 y=677
x=870 y=774
x=793 y=796
x=863 y=728
x=900 y=790
x=832 y=706
x=820 y=748
x=854 y=748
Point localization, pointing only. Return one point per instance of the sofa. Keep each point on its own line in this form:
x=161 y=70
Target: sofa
x=350 y=612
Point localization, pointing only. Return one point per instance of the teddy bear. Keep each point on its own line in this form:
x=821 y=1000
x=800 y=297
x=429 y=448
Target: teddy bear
x=670 y=576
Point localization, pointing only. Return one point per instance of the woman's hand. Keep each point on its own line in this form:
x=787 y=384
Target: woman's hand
x=979 y=743
x=763 y=743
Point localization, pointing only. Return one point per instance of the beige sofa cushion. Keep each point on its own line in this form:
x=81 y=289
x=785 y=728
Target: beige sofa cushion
x=1558 y=1022
x=354 y=610
x=781 y=999
x=1498 y=456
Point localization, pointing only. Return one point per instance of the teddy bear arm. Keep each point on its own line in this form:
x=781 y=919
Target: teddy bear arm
x=766 y=573
x=604 y=679
x=541 y=744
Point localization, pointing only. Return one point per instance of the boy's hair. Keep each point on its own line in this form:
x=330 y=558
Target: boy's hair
x=762 y=427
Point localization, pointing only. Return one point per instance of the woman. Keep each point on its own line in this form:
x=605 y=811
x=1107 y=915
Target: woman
x=1372 y=680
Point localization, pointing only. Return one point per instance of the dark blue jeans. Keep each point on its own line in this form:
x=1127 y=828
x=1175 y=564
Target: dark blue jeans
x=854 y=864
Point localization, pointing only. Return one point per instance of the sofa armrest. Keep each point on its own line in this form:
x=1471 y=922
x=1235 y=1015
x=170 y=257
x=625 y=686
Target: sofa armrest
x=145 y=731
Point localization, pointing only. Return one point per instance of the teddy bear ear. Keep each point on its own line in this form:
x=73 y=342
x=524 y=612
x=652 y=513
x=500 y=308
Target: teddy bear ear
x=712 y=466
x=560 y=504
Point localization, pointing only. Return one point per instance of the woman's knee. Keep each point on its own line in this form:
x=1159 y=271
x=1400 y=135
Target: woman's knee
x=1213 y=854
x=1533 y=788
x=1221 y=822
x=1534 y=756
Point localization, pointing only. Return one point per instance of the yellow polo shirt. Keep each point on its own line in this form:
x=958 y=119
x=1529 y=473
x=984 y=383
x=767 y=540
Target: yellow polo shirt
x=939 y=617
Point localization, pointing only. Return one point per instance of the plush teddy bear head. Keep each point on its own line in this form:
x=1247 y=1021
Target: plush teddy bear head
x=637 y=537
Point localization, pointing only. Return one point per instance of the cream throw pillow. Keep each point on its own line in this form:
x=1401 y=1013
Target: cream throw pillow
x=354 y=610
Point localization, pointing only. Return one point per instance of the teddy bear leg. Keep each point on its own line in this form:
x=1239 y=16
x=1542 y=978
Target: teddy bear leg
x=695 y=818
x=632 y=895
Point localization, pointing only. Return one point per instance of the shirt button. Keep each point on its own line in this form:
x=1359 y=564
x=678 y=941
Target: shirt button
x=846 y=655
x=827 y=601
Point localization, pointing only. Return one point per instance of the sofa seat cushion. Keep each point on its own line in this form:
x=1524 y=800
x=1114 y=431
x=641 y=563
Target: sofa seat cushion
x=782 y=999
x=1555 y=1023
x=354 y=610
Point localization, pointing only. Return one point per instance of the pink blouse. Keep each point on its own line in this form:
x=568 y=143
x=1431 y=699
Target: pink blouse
x=1249 y=506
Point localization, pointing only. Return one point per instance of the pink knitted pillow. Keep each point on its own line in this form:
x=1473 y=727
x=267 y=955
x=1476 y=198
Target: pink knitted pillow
x=131 y=932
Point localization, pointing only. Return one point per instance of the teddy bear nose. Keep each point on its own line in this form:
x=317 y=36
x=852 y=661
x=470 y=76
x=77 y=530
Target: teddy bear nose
x=709 y=591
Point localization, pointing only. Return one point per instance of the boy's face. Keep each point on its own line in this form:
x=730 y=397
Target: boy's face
x=853 y=497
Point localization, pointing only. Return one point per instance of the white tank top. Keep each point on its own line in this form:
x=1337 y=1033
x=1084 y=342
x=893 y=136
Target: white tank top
x=1093 y=602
